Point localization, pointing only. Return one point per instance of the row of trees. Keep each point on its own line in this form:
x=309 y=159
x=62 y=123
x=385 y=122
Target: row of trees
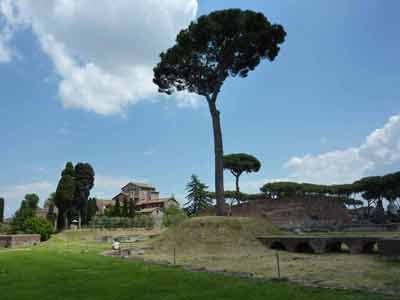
x=126 y=210
x=72 y=194
x=372 y=189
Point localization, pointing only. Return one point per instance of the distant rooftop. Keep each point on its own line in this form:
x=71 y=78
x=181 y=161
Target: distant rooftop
x=140 y=184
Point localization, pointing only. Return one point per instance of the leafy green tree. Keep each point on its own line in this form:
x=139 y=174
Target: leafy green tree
x=226 y=43
x=32 y=201
x=27 y=210
x=1 y=210
x=35 y=225
x=173 y=215
x=65 y=196
x=372 y=189
x=239 y=163
x=197 y=196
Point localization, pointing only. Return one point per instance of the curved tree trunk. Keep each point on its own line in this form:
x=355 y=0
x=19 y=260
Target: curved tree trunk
x=219 y=152
x=237 y=189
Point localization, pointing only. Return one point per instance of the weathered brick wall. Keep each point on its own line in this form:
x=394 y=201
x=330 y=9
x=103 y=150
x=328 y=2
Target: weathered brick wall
x=293 y=212
x=19 y=240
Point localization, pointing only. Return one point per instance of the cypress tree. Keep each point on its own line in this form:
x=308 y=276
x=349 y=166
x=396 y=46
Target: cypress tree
x=125 y=211
x=1 y=210
x=131 y=208
x=117 y=209
x=92 y=209
x=65 y=195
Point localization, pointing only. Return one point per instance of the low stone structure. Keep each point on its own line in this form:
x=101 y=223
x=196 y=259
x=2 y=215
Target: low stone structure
x=296 y=212
x=389 y=249
x=390 y=227
x=356 y=245
x=19 y=240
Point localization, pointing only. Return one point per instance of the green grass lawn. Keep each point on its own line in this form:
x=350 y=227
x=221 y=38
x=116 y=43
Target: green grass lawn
x=60 y=270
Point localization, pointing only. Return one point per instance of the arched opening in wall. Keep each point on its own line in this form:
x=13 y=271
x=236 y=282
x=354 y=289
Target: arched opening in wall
x=278 y=246
x=345 y=247
x=370 y=248
x=304 y=247
x=337 y=247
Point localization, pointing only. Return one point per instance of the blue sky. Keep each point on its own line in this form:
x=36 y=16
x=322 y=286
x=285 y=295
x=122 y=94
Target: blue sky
x=77 y=86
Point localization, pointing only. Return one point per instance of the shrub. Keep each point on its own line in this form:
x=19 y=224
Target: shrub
x=143 y=221
x=6 y=228
x=139 y=221
x=173 y=215
x=40 y=226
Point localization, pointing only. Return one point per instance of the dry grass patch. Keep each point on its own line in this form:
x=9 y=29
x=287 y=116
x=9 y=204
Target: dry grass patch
x=220 y=243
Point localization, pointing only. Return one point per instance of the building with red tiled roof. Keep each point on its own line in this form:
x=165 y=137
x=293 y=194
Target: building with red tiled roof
x=145 y=196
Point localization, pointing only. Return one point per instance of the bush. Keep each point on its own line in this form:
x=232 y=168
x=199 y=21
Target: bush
x=173 y=215
x=143 y=221
x=139 y=221
x=6 y=228
x=40 y=226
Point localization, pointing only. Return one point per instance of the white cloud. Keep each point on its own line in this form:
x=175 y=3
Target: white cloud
x=15 y=194
x=104 y=53
x=6 y=33
x=381 y=148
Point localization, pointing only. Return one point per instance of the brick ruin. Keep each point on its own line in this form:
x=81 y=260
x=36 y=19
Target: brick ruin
x=19 y=240
x=388 y=248
x=306 y=213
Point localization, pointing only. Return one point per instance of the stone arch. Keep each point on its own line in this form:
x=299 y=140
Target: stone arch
x=369 y=247
x=304 y=247
x=278 y=246
x=335 y=247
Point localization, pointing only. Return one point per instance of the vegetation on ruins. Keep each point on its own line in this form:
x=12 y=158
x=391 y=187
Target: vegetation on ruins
x=139 y=221
x=26 y=211
x=173 y=215
x=72 y=194
x=40 y=226
x=239 y=163
x=226 y=43
x=197 y=196
x=25 y=220
x=1 y=210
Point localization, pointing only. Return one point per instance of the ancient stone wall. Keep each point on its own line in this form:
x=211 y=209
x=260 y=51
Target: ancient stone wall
x=19 y=240
x=293 y=212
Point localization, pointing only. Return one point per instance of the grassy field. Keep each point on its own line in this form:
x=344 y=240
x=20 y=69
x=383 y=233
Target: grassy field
x=79 y=272
x=70 y=266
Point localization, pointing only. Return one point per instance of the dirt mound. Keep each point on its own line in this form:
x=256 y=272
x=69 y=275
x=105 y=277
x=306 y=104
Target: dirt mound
x=214 y=234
